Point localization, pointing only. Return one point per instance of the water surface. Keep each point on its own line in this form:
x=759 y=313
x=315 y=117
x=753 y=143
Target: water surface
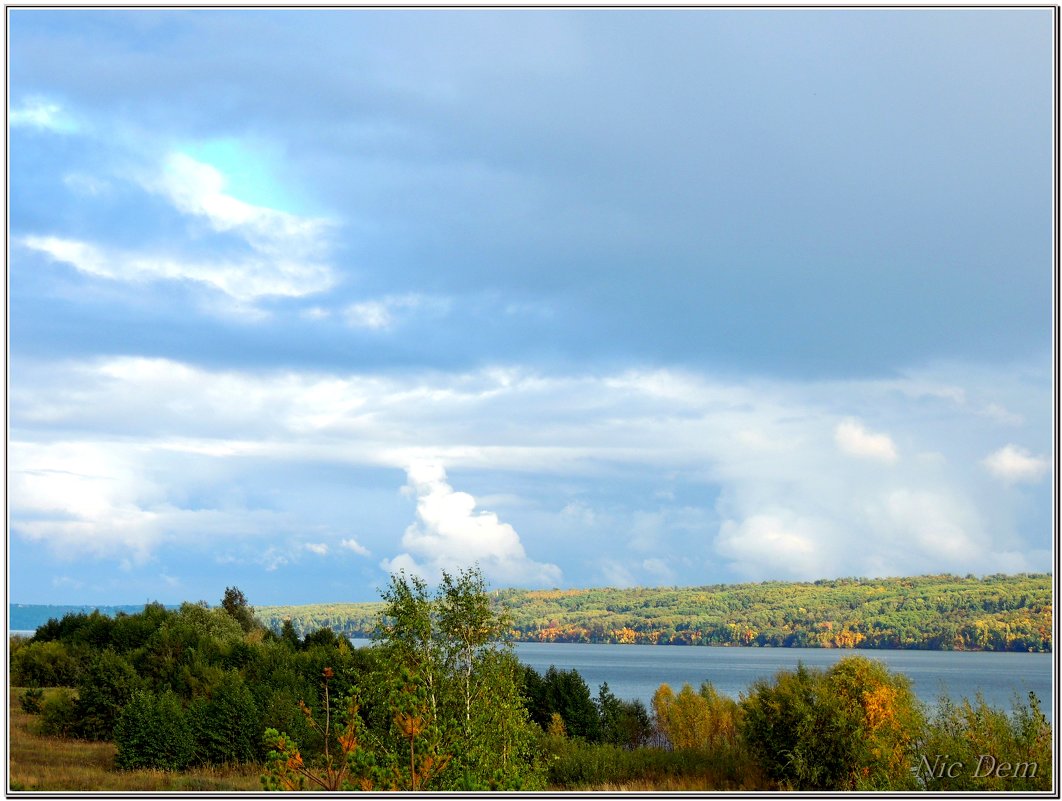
x=636 y=671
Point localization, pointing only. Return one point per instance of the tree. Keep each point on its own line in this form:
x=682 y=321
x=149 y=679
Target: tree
x=408 y=631
x=566 y=692
x=225 y=722
x=452 y=645
x=440 y=706
x=106 y=686
x=45 y=664
x=623 y=723
x=152 y=731
x=339 y=757
x=234 y=602
x=469 y=627
x=685 y=719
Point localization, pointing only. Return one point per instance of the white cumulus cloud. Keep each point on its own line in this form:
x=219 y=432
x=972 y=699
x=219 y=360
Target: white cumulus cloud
x=853 y=439
x=450 y=534
x=1015 y=465
x=352 y=544
x=779 y=542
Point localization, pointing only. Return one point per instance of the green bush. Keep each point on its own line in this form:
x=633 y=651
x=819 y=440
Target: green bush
x=854 y=726
x=59 y=713
x=152 y=731
x=45 y=664
x=30 y=700
x=977 y=747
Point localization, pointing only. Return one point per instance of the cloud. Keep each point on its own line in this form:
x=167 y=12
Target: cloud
x=39 y=112
x=87 y=185
x=1016 y=465
x=853 y=439
x=319 y=548
x=934 y=523
x=1001 y=414
x=280 y=255
x=374 y=314
x=615 y=574
x=779 y=543
x=107 y=499
x=450 y=534
x=352 y=544
x=385 y=313
x=83 y=498
x=658 y=569
x=198 y=190
x=244 y=281
x=757 y=489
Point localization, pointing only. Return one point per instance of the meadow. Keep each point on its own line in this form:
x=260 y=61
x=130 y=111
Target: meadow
x=62 y=764
x=59 y=764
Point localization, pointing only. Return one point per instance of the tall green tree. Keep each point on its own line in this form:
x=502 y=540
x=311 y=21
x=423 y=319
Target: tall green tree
x=105 y=687
x=440 y=706
x=235 y=604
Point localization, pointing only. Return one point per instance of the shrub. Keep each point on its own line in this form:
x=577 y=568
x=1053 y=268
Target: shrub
x=854 y=726
x=152 y=731
x=974 y=746
x=30 y=700
x=59 y=714
x=45 y=664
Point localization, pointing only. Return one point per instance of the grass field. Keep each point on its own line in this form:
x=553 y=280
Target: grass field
x=58 y=764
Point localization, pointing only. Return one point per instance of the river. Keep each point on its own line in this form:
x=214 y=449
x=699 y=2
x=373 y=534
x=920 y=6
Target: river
x=636 y=671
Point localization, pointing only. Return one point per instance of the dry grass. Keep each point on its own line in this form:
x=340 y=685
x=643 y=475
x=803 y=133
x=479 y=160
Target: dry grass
x=665 y=784
x=707 y=782
x=59 y=764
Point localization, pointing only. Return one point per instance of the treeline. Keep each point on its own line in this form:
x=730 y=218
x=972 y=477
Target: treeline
x=28 y=617
x=439 y=702
x=942 y=612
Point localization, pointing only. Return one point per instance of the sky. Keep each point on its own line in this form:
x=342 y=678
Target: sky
x=301 y=298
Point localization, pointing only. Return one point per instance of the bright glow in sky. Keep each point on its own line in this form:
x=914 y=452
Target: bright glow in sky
x=590 y=297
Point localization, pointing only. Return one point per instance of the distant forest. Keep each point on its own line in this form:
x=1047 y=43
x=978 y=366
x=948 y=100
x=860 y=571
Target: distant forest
x=941 y=612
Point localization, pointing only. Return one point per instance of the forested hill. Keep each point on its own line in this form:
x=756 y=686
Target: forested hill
x=929 y=612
